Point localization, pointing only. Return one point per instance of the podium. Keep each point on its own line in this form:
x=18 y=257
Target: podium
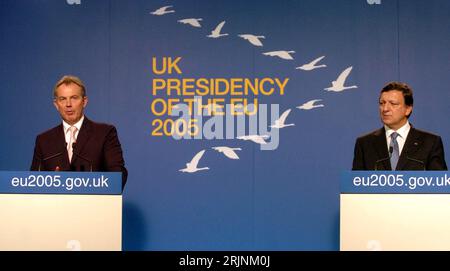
x=395 y=210
x=60 y=210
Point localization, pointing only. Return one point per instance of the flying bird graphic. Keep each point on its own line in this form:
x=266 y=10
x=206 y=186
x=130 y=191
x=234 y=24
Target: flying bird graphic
x=281 y=54
x=279 y=123
x=191 y=167
x=255 y=138
x=252 y=39
x=229 y=152
x=195 y=22
x=338 y=84
x=162 y=11
x=312 y=65
x=216 y=32
x=310 y=105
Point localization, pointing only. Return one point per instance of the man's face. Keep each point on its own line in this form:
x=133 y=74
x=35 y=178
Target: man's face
x=393 y=110
x=69 y=102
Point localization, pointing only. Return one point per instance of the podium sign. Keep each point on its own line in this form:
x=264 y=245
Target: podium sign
x=60 y=210
x=395 y=210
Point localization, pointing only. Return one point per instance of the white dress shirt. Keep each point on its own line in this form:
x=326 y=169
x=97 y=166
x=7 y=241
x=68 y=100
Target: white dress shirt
x=402 y=134
x=66 y=127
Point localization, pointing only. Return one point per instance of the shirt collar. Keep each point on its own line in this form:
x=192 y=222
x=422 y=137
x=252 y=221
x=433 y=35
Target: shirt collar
x=78 y=125
x=403 y=131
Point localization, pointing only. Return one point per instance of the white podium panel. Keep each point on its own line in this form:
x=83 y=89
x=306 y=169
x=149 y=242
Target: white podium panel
x=55 y=210
x=60 y=222
x=395 y=222
x=395 y=210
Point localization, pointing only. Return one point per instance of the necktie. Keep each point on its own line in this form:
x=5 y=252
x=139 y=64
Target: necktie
x=395 y=150
x=72 y=131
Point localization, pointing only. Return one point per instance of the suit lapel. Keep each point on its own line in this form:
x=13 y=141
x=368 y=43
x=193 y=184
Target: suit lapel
x=381 y=147
x=411 y=146
x=61 y=143
x=83 y=136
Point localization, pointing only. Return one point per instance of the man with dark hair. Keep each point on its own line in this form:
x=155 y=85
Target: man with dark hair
x=77 y=144
x=398 y=145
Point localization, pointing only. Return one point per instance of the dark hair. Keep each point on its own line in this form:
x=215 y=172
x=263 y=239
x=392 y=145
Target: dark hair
x=70 y=79
x=404 y=88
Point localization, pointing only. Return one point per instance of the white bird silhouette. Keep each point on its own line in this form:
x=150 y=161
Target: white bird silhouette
x=312 y=65
x=229 y=152
x=310 y=105
x=191 y=167
x=195 y=22
x=281 y=54
x=253 y=39
x=279 y=123
x=216 y=32
x=255 y=138
x=162 y=11
x=338 y=84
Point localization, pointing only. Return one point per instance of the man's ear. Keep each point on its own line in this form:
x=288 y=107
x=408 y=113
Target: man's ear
x=409 y=110
x=85 y=101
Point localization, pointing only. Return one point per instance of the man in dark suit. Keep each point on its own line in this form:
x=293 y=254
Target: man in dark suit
x=77 y=144
x=398 y=145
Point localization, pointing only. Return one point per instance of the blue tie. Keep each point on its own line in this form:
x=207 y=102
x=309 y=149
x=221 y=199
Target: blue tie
x=395 y=150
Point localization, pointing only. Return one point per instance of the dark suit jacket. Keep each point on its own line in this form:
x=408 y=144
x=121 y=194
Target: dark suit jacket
x=97 y=146
x=422 y=151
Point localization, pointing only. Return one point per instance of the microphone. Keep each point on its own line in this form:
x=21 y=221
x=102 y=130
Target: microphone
x=48 y=158
x=417 y=161
x=391 y=150
x=74 y=152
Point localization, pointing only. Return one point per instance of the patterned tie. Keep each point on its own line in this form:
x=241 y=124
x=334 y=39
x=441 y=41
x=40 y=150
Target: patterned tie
x=73 y=131
x=395 y=152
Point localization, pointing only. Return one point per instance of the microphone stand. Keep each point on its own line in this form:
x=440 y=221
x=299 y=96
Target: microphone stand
x=391 y=150
x=41 y=161
x=74 y=152
x=417 y=161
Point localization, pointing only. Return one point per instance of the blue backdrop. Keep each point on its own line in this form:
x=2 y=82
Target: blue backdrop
x=281 y=199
